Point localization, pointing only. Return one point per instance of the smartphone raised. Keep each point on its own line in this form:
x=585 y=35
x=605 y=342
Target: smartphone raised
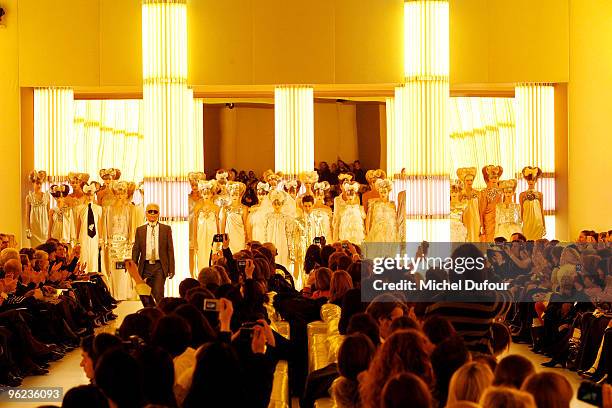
x=211 y=305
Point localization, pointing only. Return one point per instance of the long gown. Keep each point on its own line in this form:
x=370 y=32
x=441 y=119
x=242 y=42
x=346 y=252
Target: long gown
x=383 y=217
x=492 y=197
x=339 y=207
x=120 y=248
x=234 y=227
x=39 y=218
x=458 y=231
x=190 y=219
x=63 y=224
x=350 y=225
x=207 y=228
x=257 y=222
x=533 y=223
x=471 y=218
x=279 y=230
x=508 y=220
x=89 y=245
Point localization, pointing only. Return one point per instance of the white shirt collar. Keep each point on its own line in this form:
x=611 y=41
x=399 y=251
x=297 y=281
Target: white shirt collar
x=152 y=224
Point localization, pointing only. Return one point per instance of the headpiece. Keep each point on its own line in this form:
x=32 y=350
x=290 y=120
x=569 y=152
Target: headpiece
x=207 y=186
x=195 y=176
x=131 y=188
x=456 y=186
x=292 y=184
x=38 y=176
x=382 y=183
x=508 y=184
x=373 y=175
x=531 y=173
x=492 y=171
x=61 y=190
x=309 y=177
x=345 y=177
x=80 y=178
x=234 y=187
x=351 y=185
x=463 y=172
x=321 y=185
x=91 y=187
x=269 y=176
x=261 y=186
x=110 y=174
x=118 y=187
x=276 y=195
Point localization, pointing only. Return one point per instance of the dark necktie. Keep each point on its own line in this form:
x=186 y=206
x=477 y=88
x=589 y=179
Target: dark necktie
x=91 y=225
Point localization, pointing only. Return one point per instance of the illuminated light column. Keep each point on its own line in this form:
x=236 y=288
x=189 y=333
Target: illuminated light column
x=53 y=132
x=421 y=121
x=535 y=135
x=293 y=129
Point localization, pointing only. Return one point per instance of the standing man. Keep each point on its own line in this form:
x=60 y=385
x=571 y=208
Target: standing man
x=153 y=252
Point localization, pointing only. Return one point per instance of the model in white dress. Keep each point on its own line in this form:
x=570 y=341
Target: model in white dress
x=351 y=218
x=233 y=217
x=471 y=213
x=257 y=214
x=458 y=231
x=507 y=213
x=206 y=225
x=192 y=198
x=89 y=245
x=61 y=223
x=279 y=230
x=37 y=210
x=532 y=207
x=381 y=220
x=118 y=227
x=322 y=211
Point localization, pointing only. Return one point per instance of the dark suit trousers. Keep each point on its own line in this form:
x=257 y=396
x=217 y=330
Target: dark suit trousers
x=153 y=274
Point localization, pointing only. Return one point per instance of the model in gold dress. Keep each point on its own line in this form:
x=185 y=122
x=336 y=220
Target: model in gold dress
x=489 y=198
x=532 y=206
x=471 y=214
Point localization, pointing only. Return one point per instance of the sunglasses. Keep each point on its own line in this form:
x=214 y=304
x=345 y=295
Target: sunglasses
x=152 y=212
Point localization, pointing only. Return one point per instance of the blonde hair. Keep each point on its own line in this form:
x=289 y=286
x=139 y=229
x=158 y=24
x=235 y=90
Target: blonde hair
x=550 y=390
x=469 y=382
x=505 y=397
x=8 y=254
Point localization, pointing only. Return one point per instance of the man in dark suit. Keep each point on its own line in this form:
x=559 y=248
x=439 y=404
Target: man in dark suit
x=153 y=252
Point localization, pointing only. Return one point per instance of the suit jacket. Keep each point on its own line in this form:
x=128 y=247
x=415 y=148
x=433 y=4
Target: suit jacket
x=166 y=248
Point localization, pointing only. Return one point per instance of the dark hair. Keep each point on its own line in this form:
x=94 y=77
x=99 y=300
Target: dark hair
x=354 y=355
x=308 y=199
x=136 y=324
x=520 y=237
x=322 y=278
x=501 y=337
x=438 y=329
x=84 y=396
x=486 y=359
x=500 y=240
x=512 y=370
x=118 y=376
x=187 y=284
x=354 y=269
x=216 y=363
x=153 y=313
x=351 y=305
x=158 y=379
x=383 y=305
x=475 y=273
x=406 y=390
x=201 y=331
x=446 y=358
x=103 y=342
x=48 y=247
x=312 y=258
x=168 y=304
x=173 y=334
x=365 y=324
x=326 y=252
x=404 y=322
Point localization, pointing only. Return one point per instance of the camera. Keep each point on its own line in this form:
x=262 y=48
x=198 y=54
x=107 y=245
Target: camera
x=218 y=238
x=211 y=305
x=241 y=264
x=120 y=265
x=317 y=241
x=590 y=393
x=246 y=330
x=345 y=245
x=134 y=343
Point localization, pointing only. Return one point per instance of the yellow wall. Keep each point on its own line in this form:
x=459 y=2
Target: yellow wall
x=10 y=170
x=590 y=134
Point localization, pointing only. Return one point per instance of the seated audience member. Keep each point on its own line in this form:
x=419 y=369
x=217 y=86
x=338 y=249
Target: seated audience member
x=365 y=324
x=447 y=357
x=118 y=376
x=505 y=397
x=438 y=329
x=405 y=350
x=512 y=370
x=173 y=334
x=404 y=322
x=157 y=376
x=88 y=396
x=550 y=390
x=354 y=357
x=469 y=382
x=384 y=309
x=406 y=390
x=341 y=283
x=322 y=283
x=187 y=284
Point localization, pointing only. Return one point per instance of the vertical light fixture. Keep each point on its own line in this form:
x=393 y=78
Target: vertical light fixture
x=53 y=131
x=535 y=134
x=293 y=129
x=421 y=135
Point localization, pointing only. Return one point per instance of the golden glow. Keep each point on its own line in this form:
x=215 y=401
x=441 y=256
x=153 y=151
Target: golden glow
x=392 y=141
x=53 y=131
x=293 y=129
x=426 y=39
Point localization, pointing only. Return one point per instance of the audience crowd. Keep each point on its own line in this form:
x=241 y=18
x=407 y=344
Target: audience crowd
x=220 y=342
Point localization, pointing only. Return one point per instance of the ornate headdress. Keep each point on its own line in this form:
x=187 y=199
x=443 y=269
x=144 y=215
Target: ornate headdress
x=195 y=176
x=351 y=185
x=321 y=185
x=234 y=187
x=261 y=186
x=292 y=184
x=382 y=183
x=80 y=178
x=463 y=172
x=38 y=176
x=207 y=186
x=309 y=177
x=456 y=186
x=344 y=177
x=508 y=185
x=119 y=187
x=221 y=175
x=61 y=190
x=270 y=176
x=531 y=173
x=110 y=174
x=91 y=187
x=276 y=195
x=492 y=171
